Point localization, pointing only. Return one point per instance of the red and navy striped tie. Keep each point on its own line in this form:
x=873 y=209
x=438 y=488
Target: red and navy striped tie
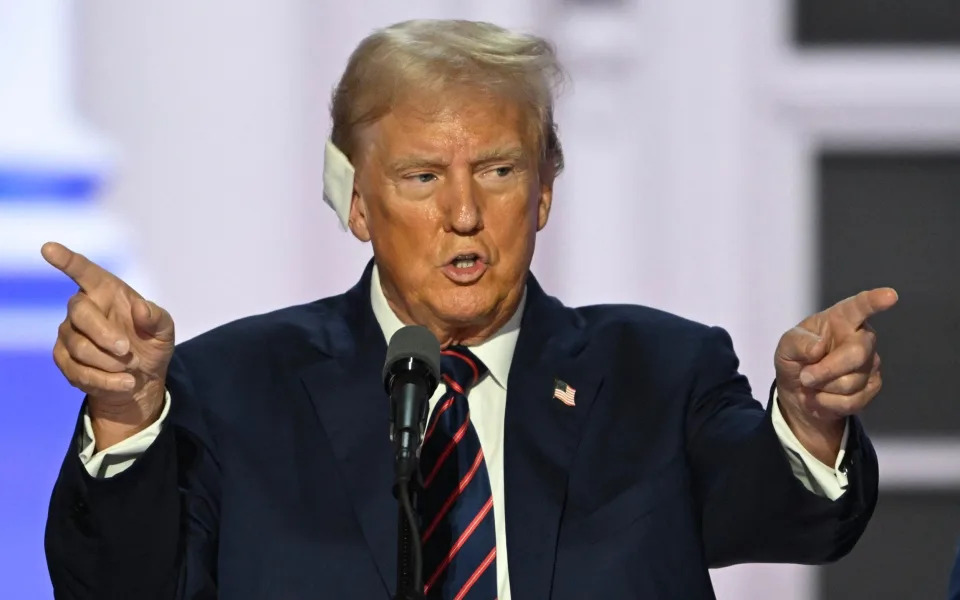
x=456 y=504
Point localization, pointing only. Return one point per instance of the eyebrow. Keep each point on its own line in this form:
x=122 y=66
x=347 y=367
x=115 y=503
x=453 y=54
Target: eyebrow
x=510 y=153
x=416 y=162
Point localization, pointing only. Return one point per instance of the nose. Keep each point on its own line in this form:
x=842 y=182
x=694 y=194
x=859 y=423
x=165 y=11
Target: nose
x=462 y=207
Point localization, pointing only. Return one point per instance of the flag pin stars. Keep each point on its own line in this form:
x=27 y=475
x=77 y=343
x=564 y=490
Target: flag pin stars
x=564 y=392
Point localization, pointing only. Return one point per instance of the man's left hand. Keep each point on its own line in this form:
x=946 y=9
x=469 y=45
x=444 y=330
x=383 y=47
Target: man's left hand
x=828 y=369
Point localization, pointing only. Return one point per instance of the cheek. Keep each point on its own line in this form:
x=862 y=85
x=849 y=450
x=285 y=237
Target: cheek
x=402 y=223
x=405 y=240
x=513 y=228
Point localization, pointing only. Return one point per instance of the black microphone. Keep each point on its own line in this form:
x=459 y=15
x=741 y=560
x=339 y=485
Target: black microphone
x=410 y=376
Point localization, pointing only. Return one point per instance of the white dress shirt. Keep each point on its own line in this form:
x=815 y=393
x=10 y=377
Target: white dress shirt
x=488 y=403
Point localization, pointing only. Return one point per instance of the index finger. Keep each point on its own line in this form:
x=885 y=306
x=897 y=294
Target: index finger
x=857 y=309
x=87 y=274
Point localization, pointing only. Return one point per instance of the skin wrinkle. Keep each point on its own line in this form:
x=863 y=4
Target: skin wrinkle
x=457 y=178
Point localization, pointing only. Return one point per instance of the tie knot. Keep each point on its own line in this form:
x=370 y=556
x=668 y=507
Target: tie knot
x=459 y=364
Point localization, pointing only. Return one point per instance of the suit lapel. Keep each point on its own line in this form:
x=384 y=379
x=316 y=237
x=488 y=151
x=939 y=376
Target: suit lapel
x=541 y=436
x=347 y=394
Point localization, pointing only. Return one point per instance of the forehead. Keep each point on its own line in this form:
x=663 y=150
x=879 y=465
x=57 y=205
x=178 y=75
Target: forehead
x=455 y=123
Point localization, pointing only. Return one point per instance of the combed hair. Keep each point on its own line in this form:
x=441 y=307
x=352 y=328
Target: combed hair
x=414 y=57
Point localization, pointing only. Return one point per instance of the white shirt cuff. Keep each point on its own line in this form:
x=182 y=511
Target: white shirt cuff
x=830 y=482
x=117 y=458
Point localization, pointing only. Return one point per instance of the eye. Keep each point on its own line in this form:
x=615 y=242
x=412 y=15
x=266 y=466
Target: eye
x=503 y=171
x=422 y=177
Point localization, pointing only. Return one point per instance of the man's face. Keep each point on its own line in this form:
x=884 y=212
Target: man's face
x=452 y=196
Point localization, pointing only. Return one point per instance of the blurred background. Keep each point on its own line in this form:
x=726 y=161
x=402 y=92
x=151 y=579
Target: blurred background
x=742 y=163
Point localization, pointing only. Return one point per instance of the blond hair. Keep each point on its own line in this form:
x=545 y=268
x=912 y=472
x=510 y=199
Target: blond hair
x=433 y=55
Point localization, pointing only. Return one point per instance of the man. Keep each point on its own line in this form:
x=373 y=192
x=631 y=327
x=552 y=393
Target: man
x=600 y=452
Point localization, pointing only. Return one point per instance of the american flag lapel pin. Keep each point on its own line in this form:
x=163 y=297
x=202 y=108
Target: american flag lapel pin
x=564 y=392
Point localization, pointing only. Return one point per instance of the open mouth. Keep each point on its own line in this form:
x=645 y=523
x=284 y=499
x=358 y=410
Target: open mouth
x=465 y=261
x=466 y=268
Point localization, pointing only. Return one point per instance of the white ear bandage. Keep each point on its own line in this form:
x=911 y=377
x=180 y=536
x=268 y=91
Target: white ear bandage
x=337 y=182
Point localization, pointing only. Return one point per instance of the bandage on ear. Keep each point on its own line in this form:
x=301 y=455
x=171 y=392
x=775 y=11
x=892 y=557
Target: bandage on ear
x=338 y=176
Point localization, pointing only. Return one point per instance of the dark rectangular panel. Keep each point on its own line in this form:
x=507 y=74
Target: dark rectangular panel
x=905 y=554
x=893 y=219
x=876 y=22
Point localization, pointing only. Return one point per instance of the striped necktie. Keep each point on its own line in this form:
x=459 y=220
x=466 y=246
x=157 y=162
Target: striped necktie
x=456 y=503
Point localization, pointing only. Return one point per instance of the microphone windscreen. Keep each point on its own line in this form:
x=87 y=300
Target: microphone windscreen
x=414 y=341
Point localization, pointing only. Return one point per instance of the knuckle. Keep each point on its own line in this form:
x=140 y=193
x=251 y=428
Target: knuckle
x=849 y=384
x=858 y=383
x=77 y=313
x=850 y=404
x=104 y=334
x=845 y=385
x=829 y=403
x=81 y=347
x=77 y=305
x=83 y=379
x=58 y=355
x=74 y=344
x=870 y=339
x=860 y=354
x=787 y=337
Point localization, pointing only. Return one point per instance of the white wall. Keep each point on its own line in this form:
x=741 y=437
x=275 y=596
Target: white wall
x=205 y=101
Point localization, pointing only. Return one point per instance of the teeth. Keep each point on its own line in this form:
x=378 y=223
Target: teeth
x=464 y=263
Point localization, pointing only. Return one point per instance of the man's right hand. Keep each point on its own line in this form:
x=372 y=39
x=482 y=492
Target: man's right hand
x=113 y=345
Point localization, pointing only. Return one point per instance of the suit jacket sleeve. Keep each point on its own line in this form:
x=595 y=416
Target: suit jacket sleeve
x=148 y=532
x=753 y=509
x=954 y=592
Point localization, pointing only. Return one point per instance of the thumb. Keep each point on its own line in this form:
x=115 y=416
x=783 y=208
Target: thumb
x=152 y=320
x=802 y=346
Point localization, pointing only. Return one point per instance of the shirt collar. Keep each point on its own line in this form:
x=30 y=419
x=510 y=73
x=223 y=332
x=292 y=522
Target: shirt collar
x=496 y=352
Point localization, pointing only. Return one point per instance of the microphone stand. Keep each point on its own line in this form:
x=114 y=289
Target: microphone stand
x=409 y=552
x=409 y=399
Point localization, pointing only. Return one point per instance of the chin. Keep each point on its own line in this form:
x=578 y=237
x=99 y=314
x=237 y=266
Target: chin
x=466 y=306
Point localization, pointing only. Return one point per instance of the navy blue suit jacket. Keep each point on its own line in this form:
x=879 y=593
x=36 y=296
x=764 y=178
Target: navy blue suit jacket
x=272 y=478
x=954 y=592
